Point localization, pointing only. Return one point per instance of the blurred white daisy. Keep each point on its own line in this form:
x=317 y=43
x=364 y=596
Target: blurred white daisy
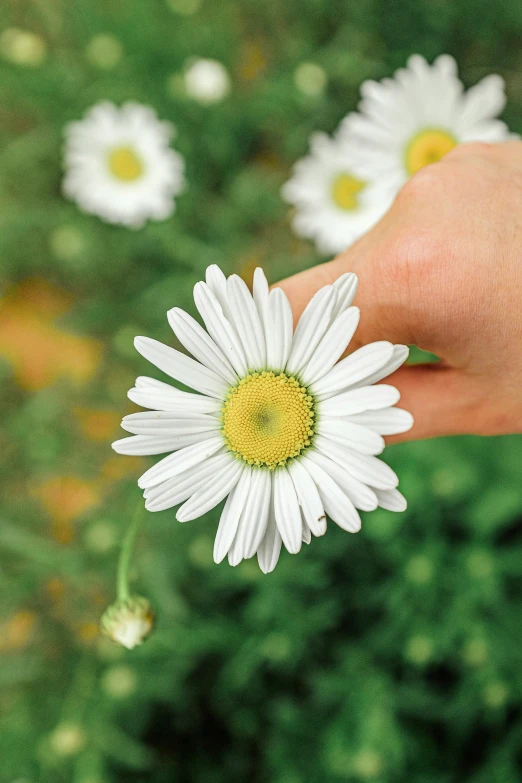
x=206 y=81
x=332 y=205
x=415 y=118
x=278 y=426
x=119 y=166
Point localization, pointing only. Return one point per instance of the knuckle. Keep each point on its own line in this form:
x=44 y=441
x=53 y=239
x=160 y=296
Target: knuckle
x=419 y=255
x=420 y=186
x=471 y=148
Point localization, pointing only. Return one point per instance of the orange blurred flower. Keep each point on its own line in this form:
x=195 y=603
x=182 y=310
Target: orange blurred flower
x=98 y=424
x=16 y=632
x=39 y=351
x=65 y=498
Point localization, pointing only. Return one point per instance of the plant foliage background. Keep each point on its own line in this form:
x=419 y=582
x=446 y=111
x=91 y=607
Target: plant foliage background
x=388 y=656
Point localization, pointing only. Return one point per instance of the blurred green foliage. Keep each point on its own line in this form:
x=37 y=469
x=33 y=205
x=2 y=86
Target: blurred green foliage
x=388 y=656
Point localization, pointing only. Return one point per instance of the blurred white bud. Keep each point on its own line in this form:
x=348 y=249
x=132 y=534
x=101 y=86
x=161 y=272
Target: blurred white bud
x=119 y=682
x=419 y=649
x=367 y=764
x=419 y=569
x=310 y=78
x=67 y=739
x=184 y=7
x=104 y=51
x=475 y=652
x=206 y=81
x=100 y=537
x=495 y=694
x=22 y=47
x=128 y=621
x=66 y=243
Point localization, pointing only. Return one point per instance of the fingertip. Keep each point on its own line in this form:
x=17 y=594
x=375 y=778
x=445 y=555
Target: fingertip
x=301 y=287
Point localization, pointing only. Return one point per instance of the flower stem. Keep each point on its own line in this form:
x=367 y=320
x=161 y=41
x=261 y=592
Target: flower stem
x=126 y=553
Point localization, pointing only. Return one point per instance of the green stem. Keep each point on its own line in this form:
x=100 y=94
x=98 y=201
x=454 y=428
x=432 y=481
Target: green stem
x=125 y=555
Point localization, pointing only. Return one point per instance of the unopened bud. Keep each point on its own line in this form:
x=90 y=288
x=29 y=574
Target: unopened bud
x=128 y=621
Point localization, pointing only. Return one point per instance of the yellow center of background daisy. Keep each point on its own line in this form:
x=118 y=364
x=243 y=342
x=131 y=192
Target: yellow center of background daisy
x=268 y=418
x=345 y=189
x=428 y=146
x=125 y=164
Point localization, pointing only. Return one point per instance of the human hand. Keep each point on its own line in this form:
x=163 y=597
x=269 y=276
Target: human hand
x=443 y=270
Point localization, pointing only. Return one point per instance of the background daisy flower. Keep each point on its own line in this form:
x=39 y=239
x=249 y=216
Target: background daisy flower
x=119 y=166
x=278 y=426
x=418 y=116
x=332 y=205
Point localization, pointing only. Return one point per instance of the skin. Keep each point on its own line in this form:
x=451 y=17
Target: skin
x=443 y=270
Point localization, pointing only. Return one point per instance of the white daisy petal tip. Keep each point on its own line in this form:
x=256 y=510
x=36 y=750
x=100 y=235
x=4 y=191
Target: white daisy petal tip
x=275 y=428
x=391 y=500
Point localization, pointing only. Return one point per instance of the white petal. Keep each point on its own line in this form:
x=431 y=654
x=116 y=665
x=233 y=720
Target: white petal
x=219 y=328
x=346 y=433
x=196 y=340
x=149 y=445
x=389 y=421
x=181 y=460
x=306 y=535
x=150 y=393
x=287 y=513
x=252 y=525
x=311 y=327
x=355 y=367
x=398 y=357
x=247 y=322
x=362 y=496
x=231 y=514
x=308 y=497
x=270 y=547
x=332 y=346
x=365 y=398
x=279 y=328
x=177 y=489
x=336 y=503
x=391 y=499
x=346 y=287
x=217 y=283
x=234 y=558
x=260 y=293
x=369 y=470
x=181 y=367
x=212 y=493
x=482 y=101
x=168 y=423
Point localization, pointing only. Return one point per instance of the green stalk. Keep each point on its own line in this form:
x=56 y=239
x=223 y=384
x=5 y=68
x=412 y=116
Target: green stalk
x=126 y=553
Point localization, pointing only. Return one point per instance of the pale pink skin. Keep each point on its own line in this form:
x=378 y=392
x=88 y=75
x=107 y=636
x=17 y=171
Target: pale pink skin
x=443 y=270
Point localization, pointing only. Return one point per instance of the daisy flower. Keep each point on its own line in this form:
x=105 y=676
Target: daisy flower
x=332 y=205
x=119 y=165
x=278 y=426
x=415 y=118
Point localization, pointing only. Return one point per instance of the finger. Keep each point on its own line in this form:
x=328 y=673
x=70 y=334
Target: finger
x=442 y=400
x=506 y=151
x=386 y=313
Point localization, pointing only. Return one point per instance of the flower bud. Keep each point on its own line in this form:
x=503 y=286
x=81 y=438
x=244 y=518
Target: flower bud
x=206 y=81
x=128 y=621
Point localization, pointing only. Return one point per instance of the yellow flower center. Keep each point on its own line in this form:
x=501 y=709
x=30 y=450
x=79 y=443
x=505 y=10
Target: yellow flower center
x=125 y=164
x=345 y=190
x=428 y=146
x=268 y=418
